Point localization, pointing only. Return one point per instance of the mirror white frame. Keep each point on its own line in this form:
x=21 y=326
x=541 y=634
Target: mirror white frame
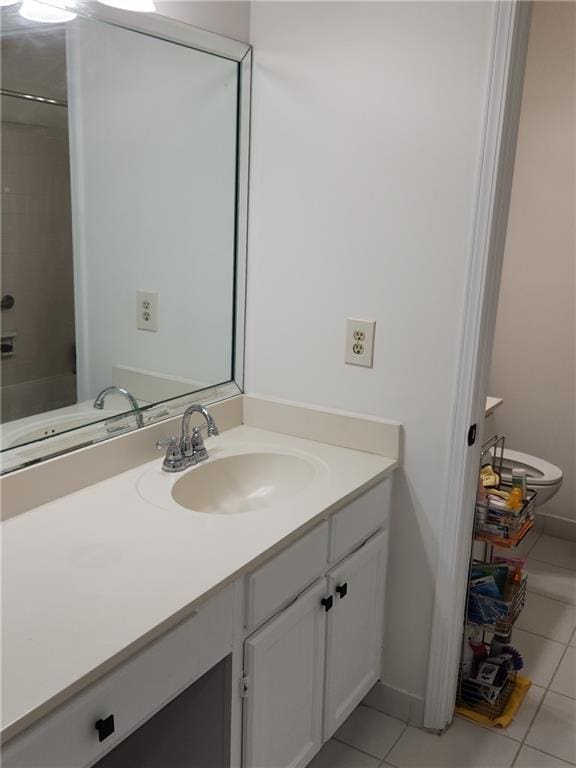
x=174 y=31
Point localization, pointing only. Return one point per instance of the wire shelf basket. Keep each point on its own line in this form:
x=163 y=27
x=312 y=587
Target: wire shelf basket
x=488 y=700
x=496 y=525
x=494 y=615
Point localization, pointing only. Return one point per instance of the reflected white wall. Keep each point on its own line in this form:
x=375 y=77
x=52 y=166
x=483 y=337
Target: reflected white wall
x=153 y=148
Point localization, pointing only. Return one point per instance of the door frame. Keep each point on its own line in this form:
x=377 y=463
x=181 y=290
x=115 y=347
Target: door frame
x=508 y=60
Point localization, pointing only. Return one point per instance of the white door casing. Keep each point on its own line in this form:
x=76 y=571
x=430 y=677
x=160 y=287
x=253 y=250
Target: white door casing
x=510 y=40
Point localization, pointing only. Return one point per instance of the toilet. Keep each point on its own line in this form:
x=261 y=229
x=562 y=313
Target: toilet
x=541 y=476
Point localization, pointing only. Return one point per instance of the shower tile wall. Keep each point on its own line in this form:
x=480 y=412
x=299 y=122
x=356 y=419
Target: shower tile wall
x=37 y=270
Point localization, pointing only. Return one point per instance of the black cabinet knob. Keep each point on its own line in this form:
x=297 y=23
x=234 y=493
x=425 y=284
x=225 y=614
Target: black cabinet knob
x=327 y=602
x=7 y=301
x=342 y=590
x=105 y=727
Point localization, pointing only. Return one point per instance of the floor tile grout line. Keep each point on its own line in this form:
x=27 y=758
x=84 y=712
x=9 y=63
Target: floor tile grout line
x=543 y=594
x=365 y=752
x=406 y=726
x=531 y=723
x=539 y=707
x=536 y=713
x=548 y=597
x=548 y=754
x=358 y=749
x=384 y=762
x=557 y=538
x=547 y=562
x=495 y=730
x=381 y=711
x=516 y=753
x=555 y=673
x=542 y=637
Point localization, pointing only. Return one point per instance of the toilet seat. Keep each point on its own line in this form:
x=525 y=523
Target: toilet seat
x=538 y=471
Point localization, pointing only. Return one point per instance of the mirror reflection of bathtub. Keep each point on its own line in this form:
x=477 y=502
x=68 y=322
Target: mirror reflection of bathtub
x=45 y=435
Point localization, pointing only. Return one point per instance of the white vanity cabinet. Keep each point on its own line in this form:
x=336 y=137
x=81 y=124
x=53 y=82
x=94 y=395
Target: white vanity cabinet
x=290 y=649
x=308 y=667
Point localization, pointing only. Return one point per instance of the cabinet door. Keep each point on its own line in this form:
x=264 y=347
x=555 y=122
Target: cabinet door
x=284 y=671
x=354 y=630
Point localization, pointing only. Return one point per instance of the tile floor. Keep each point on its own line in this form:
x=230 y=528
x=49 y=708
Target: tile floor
x=543 y=734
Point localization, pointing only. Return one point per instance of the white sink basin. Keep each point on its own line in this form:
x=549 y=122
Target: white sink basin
x=243 y=482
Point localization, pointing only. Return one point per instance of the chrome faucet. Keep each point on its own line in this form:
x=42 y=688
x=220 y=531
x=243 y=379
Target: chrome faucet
x=189 y=449
x=99 y=402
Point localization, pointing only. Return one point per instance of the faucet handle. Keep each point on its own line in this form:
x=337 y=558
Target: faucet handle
x=172 y=445
x=167 y=441
x=173 y=461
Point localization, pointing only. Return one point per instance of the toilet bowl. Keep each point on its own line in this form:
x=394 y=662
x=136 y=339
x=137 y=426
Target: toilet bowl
x=541 y=476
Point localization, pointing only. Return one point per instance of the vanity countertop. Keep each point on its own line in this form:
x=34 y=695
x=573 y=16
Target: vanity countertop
x=94 y=576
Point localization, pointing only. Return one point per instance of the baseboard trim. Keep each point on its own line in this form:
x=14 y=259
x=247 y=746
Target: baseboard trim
x=396 y=703
x=560 y=527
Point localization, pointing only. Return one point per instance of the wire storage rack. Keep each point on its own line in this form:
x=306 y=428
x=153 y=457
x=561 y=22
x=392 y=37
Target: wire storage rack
x=485 y=687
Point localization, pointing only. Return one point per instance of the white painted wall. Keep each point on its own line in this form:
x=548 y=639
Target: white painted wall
x=153 y=146
x=534 y=357
x=230 y=18
x=367 y=132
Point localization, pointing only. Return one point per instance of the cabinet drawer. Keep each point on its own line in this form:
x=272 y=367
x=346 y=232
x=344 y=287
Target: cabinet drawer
x=132 y=693
x=278 y=582
x=355 y=522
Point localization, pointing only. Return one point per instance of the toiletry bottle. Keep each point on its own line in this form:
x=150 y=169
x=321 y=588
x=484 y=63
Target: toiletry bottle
x=478 y=649
x=499 y=642
x=519 y=481
x=514 y=501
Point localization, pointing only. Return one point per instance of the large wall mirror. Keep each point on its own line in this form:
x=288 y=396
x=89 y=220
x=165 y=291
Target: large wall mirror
x=124 y=175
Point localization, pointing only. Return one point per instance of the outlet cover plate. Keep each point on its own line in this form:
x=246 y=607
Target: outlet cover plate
x=360 y=342
x=146 y=311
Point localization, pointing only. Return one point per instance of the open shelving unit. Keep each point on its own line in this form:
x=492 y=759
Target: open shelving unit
x=497 y=533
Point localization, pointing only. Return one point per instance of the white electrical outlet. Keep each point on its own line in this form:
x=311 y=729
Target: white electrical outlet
x=360 y=342
x=146 y=311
